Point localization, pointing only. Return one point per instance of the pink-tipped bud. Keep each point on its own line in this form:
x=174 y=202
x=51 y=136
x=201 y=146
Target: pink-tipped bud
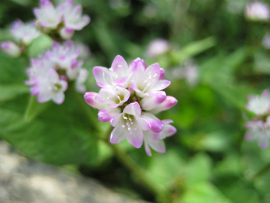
x=63 y=77
x=134 y=65
x=90 y=98
x=168 y=103
x=66 y=33
x=152 y=101
x=11 y=48
x=162 y=74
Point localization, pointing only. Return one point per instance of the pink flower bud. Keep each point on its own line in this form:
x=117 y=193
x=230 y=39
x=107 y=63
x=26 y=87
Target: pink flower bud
x=11 y=48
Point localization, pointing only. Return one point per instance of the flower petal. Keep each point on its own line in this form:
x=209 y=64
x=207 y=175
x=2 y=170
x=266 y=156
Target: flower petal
x=155 y=123
x=135 y=138
x=118 y=134
x=90 y=98
x=102 y=76
x=147 y=149
x=143 y=124
x=160 y=85
x=158 y=146
x=106 y=114
x=133 y=109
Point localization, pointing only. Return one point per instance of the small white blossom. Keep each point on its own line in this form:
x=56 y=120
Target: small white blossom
x=258 y=130
x=24 y=32
x=49 y=87
x=157 y=47
x=259 y=104
x=257 y=11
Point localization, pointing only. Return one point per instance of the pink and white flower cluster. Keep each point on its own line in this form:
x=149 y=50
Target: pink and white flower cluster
x=48 y=75
x=129 y=97
x=23 y=34
x=65 y=18
x=259 y=127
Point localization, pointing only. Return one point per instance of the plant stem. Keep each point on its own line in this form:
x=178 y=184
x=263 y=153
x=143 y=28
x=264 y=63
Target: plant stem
x=262 y=171
x=131 y=165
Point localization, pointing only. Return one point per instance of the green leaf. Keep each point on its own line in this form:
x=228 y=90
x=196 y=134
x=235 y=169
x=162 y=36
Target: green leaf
x=218 y=73
x=201 y=162
x=8 y=92
x=261 y=63
x=215 y=142
x=165 y=168
x=12 y=70
x=193 y=49
x=47 y=140
x=203 y=192
x=40 y=45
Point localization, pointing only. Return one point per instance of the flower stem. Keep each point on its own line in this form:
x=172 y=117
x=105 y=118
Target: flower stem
x=131 y=165
x=120 y=154
x=262 y=171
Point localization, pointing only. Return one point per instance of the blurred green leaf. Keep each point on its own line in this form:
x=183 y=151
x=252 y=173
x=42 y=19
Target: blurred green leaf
x=40 y=45
x=47 y=140
x=23 y=2
x=200 y=162
x=193 y=49
x=261 y=63
x=203 y=192
x=215 y=142
x=165 y=168
x=12 y=70
x=218 y=73
x=230 y=165
x=8 y=92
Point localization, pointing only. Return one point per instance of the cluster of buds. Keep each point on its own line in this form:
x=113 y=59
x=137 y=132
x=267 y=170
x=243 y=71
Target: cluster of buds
x=48 y=75
x=257 y=11
x=259 y=127
x=128 y=99
x=23 y=34
x=63 y=19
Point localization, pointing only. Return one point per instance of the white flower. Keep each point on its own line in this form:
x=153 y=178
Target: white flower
x=147 y=81
x=47 y=15
x=73 y=18
x=65 y=56
x=157 y=47
x=49 y=87
x=129 y=125
x=116 y=75
x=260 y=105
x=39 y=68
x=115 y=96
x=258 y=11
x=24 y=32
x=258 y=130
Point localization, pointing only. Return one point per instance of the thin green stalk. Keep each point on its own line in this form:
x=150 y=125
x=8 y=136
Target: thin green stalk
x=132 y=166
x=265 y=169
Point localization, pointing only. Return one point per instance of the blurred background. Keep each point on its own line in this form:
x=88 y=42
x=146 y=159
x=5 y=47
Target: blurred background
x=214 y=54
